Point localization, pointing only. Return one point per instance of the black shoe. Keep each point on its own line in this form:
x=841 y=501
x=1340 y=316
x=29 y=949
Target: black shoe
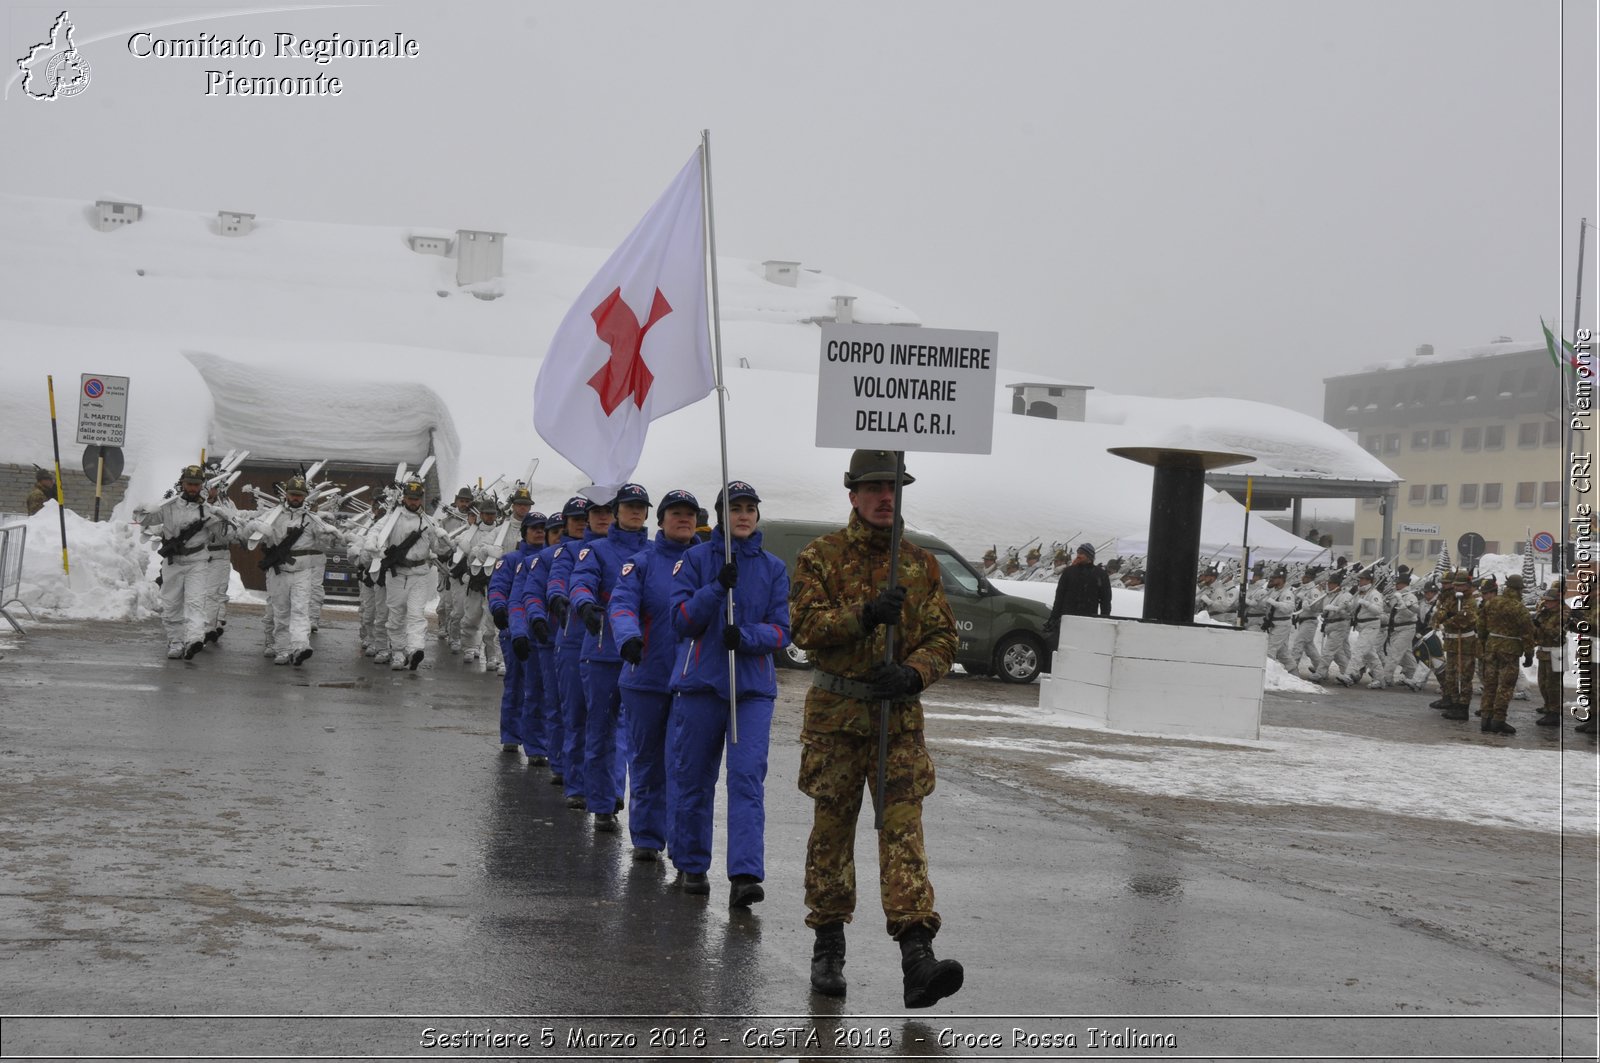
x=300 y=657
x=1501 y=727
x=1440 y=703
x=1549 y=719
x=927 y=980
x=827 y=961
x=538 y=761
x=214 y=634
x=1456 y=712
x=695 y=882
x=576 y=801
x=744 y=891
x=414 y=660
x=646 y=855
x=557 y=780
x=1487 y=724
x=508 y=747
x=605 y=823
x=193 y=648
x=619 y=804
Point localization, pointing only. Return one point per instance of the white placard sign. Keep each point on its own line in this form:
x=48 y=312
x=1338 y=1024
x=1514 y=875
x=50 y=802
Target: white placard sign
x=1419 y=529
x=102 y=410
x=891 y=387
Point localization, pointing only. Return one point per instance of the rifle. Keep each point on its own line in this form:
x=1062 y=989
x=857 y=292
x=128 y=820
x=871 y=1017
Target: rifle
x=169 y=547
x=275 y=557
x=394 y=555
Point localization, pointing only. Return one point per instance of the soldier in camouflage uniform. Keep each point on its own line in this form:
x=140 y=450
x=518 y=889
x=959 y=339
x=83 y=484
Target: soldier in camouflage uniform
x=1506 y=630
x=1549 y=635
x=840 y=614
x=1456 y=620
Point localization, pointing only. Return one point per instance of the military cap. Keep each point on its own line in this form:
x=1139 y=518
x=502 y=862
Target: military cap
x=192 y=474
x=1489 y=586
x=1364 y=574
x=295 y=486
x=631 y=493
x=1312 y=571
x=1403 y=576
x=737 y=489
x=1514 y=582
x=677 y=498
x=1335 y=579
x=41 y=475
x=465 y=494
x=577 y=506
x=1461 y=576
x=488 y=504
x=520 y=497
x=873 y=465
x=1279 y=573
x=413 y=489
x=1551 y=594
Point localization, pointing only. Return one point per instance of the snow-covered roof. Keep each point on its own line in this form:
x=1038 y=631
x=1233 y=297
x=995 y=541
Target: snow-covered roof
x=1482 y=350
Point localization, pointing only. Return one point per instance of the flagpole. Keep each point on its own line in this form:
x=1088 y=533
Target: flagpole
x=722 y=417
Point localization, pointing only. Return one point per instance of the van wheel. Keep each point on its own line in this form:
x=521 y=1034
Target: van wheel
x=1018 y=658
x=794 y=657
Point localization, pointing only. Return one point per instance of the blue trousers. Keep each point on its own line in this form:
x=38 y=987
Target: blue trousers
x=700 y=725
x=555 y=731
x=574 y=717
x=513 y=726
x=651 y=799
x=601 y=785
x=534 y=743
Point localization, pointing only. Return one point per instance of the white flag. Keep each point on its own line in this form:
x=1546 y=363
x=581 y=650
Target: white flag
x=636 y=345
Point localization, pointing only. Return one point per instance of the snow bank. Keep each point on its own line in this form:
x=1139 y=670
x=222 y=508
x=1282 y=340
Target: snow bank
x=110 y=573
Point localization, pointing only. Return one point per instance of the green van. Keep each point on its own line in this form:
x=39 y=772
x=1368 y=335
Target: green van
x=1001 y=634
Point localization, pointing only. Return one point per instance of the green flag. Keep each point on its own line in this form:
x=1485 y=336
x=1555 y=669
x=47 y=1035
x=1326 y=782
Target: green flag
x=1556 y=348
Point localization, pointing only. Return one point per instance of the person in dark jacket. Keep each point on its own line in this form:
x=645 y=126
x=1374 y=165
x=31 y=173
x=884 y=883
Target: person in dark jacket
x=759 y=585
x=1084 y=589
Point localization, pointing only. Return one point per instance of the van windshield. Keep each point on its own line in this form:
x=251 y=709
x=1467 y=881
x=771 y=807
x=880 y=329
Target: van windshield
x=959 y=580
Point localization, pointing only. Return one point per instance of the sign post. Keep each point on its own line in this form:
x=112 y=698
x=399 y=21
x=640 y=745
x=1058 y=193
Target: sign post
x=102 y=421
x=889 y=387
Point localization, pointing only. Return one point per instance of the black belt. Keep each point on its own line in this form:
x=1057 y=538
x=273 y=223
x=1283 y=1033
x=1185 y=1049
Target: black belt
x=1368 y=620
x=217 y=548
x=850 y=688
x=303 y=553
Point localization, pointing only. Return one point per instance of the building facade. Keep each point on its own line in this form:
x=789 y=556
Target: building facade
x=1477 y=439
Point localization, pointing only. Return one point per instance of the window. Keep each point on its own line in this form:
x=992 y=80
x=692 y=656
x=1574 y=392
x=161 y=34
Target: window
x=1528 y=434
x=1417 y=496
x=1471 y=438
x=1441 y=438
x=1516 y=547
x=1419 y=441
x=1491 y=546
x=1491 y=496
x=1530 y=380
x=1370 y=502
x=1552 y=434
x=959 y=581
x=1373 y=445
x=1438 y=494
x=1549 y=493
x=1391 y=443
x=1413 y=548
x=1508 y=384
x=1469 y=496
x=1452 y=390
x=1372 y=398
x=1494 y=437
x=1435 y=546
x=1526 y=493
x=116 y=208
x=1469 y=389
x=1369 y=548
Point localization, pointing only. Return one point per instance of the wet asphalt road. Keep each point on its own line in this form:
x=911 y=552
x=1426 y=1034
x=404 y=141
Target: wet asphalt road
x=227 y=840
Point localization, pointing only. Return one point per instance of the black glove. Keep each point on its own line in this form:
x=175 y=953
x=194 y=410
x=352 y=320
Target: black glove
x=558 y=611
x=729 y=576
x=884 y=609
x=1527 y=660
x=501 y=621
x=892 y=681
x=590 y=615
x=519 y=646
x=730 y=637
x=632 y=651
x=540 y=629
x=1052 y=625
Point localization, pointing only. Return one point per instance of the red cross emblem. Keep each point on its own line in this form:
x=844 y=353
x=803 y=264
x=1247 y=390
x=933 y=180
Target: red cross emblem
x=624 y=372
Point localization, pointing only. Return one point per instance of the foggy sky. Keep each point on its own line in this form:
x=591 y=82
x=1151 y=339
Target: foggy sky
x=1219 y=197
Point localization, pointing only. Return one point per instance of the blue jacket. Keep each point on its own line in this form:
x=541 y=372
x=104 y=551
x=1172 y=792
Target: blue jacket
x=641 y=606
x=594 y=575
x=566 y=554
x=503 y=579
x=760 y=611
x=530 y=604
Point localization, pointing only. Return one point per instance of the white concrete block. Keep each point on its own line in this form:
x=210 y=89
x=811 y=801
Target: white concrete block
x=1186 y=678
x=1089 y=634
x=1197 y=644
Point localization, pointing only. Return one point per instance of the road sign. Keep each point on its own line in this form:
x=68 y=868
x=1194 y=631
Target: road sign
x=102 y=410
x=1544 y=542
x=91 y=462
x=890 y=387
x=1419 y=529
x=1470 y=547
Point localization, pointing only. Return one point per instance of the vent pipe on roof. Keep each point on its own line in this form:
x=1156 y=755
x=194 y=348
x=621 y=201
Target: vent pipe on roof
x=1424 y=350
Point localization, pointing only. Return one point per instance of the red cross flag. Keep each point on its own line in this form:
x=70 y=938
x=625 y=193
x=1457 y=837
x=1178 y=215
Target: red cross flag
x=636 y=345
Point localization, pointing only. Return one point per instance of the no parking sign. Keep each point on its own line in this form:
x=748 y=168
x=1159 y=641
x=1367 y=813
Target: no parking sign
x=102 y=410
x=1544 y=542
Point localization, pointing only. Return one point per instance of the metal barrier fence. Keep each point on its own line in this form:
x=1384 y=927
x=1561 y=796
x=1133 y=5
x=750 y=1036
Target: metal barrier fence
x=13 y=537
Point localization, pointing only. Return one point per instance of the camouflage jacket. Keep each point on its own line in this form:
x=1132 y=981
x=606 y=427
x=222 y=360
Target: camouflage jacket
x=1547 y=629
x=1504 y=623
x=1457 y=616
x=833 y=578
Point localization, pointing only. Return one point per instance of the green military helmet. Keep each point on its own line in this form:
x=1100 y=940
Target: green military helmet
x=1514 y=583
x=295 y=486
x=413 y=489
x=870 y=465
x=192 y=474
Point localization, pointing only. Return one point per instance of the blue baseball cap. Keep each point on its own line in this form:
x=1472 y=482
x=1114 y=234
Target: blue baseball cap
x=534 y=519
x=554 y=520
x=577 y=506
x=737 y=489
x=630 y=493
x=677 y=498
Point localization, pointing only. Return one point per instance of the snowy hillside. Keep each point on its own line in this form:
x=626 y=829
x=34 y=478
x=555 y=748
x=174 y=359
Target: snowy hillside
x=308 y=340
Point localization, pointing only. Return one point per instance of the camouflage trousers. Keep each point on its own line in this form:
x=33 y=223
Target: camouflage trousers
x=1549 y=683
x=835 y=768
x=1460 y=655
x=1499 y=675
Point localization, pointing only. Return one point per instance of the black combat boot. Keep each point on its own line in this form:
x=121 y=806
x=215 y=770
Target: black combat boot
x=1442 y=702
x=1549 y=719
x=1487 y=724
x=1457 y=711
x=827 y=961
x=1501 y=727
x=928 y=980
x=745 y=890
